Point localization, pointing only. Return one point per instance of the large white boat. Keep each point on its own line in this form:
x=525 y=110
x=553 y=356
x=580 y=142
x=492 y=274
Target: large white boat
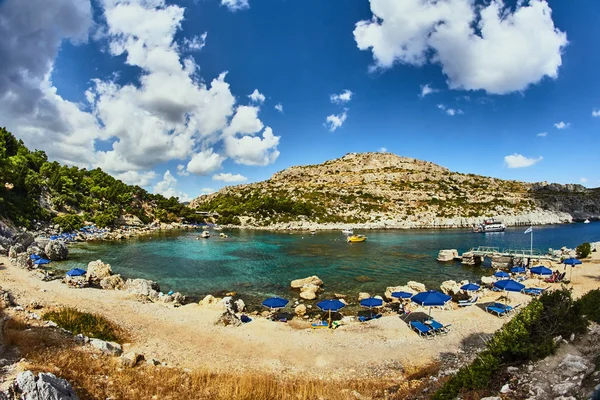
x=348 y=232
x=490 y=225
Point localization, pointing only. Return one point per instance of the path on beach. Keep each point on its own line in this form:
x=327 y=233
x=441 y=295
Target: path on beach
x=187 y=336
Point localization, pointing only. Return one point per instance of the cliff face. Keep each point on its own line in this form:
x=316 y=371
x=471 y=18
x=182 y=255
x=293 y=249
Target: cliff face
x=384 y=190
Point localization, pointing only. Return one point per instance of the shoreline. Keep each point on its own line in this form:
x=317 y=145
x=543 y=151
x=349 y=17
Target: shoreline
x=187 y=336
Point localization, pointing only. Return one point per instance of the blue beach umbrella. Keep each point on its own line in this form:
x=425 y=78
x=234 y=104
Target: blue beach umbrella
x=541 y=270
x=431 y=298
x=41 y=261
x=501 y=274
x=371 y=302
x=34 y=257
x=275 y=303
x=572 y=262
x=508 y=285
x=76 y=272
x=470 y=287
x=330 y=306
x=402 y=295
x=518 y=269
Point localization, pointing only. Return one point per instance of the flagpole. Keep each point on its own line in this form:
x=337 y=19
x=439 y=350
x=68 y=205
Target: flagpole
x=531 y=249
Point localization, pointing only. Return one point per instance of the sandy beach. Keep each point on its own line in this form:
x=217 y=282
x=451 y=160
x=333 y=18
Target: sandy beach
x=188 y=337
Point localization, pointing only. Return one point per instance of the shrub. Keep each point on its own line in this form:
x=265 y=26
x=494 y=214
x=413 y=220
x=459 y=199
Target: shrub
x=69 y=223
x=590 y=305
x=91 y=325
x=583 y=250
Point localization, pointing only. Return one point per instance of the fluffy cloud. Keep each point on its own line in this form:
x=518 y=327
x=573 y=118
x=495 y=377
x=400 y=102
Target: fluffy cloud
x=170 y=113
x=332 y=122
x=229 y=177
x=382 y=150
x=341 y=98
x=181 y=171
x=450 y=111
x=168 y=188
x=257 y=97
x=235 y=5
x=489 y=47
x=562 y=125
x=279 y=107
x=207 y=190
x=205 y=162
x=542 y=134
x=583 y=180
x=595 y=113
x=249 y=150
x=426 y=89
x=520 y=161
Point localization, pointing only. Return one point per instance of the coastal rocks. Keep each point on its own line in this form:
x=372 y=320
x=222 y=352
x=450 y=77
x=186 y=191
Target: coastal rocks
x=208 y=300
x=131 y=359
x=107 y=348
x=300 y=310
x=416 y=286
x=22 y=260
x=239 y=305
x=450 y=288
x=447 y=255
x=113 y=282
x=311 y=280
x=363 y=295
x=229 y=317
x=24 y=239
x=97 y=270
x=572 y=365
x=56 y=250
x=35 y=249
x=13 y=251
x=308 y=287
x=45 y=386
x=142 y=287
x=391 y=289
x=487 y=280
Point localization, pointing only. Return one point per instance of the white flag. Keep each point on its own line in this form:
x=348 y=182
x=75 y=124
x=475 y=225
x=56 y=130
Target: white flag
x=529 y=230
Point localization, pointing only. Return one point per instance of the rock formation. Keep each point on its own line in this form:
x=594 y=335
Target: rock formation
x=57 y=250
x=97 y=270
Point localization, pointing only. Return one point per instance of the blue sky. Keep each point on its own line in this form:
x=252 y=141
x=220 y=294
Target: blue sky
x=138 y=87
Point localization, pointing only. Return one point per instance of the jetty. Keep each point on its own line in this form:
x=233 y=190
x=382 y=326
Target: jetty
x=495 y=257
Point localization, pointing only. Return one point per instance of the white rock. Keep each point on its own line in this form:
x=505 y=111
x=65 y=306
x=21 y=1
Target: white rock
x=563 y=388
x=505 y=389
x=447 y=255
x=97 y=270
x=416 y=286
x=363 y=295
x=312 y=280
x=300 y=310
x=107 y=348
x=572 y=365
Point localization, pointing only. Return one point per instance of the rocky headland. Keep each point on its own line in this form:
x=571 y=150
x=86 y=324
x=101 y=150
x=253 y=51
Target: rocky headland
x=383 y=190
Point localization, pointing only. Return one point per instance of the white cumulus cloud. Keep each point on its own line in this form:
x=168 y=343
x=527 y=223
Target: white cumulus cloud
x=196 y=43
x=249 y=150
x=181 y=171
x=279 y=107
x=136 y=178
x=426 y=89
x=489 y=46
x=229 y=177
x=207 y=190
x=542 y=134
x=519 y=161
x=205 y=162
x=256 y=96
x=236 y=5
x=168 y=188
x=450 y=111
x=562 y=125
x=382 y=150
x=333 y=121
x=595 y=113
x=341 y=98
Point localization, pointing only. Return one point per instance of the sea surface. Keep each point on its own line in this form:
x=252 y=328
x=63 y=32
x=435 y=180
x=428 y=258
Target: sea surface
x=257 y=264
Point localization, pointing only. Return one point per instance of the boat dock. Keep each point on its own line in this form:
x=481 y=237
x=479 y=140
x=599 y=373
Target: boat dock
x=502 y=258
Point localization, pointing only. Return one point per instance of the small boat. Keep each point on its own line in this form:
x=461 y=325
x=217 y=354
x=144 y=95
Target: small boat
x=224 y=236
x=587 y=221
x=205 y=235
x=217 y=228
x=490 y=225
x=348 y=232
x=313 y=232
x=356 y=239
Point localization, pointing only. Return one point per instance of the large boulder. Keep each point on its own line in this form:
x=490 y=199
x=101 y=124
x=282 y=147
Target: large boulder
x=22 y=260
x=57 y=250
x=309 y=291
x=391 y=289
x=35 y=249
x=416 y=286
x=107 y=348
x=447 y=255
x=208 y=300
x=450 y=288
x=142 y=287
x=363 y=295
x=487 y=280
x=13 y=251
x=300 y=310
x=24 y=239
x=113 y=282
x=573 y=365
x=311 y=280
x=97 y=270
x=45 y=387
x=42 y=241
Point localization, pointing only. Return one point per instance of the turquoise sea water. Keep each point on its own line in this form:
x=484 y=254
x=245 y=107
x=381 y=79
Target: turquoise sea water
x=260 y=263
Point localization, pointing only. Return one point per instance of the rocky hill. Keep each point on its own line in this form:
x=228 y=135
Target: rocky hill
x=383 y=190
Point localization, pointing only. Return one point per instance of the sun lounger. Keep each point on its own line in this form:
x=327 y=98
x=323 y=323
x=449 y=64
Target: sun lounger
x=470 y=302
x=438 y=327
x=422 y=329
x=321 y=324
x=534 y=291
x=368 y=318
x=499 y=311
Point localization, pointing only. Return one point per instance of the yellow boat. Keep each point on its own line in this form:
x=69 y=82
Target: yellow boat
x=356 y=239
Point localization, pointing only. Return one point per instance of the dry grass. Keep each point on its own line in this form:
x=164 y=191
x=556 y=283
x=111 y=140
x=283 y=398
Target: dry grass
x=91 y=325
x=98 y=377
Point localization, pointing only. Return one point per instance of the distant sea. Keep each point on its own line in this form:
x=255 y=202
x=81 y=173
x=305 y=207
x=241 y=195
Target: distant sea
x=257 y=264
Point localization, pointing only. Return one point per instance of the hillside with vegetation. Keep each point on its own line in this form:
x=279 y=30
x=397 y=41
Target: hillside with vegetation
x=35 y=189
x=378 y=190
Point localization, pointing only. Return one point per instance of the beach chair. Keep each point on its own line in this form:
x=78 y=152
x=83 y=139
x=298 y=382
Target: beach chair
x=514 y=309
x=470 y=302
x=534 y=291
x=439 y=328
x=320 y=324
x=422 y=329
x=368 y=318
x=499 y=311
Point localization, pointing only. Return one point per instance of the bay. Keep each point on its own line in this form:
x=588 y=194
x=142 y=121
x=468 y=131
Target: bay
x=261 y=263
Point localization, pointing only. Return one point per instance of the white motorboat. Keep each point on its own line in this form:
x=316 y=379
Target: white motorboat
x=587 y=221
x=348 y=232
x=205 y=235
x=490 y=225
